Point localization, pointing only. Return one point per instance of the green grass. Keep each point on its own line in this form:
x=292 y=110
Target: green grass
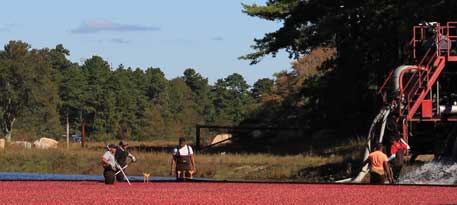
x=228 y=166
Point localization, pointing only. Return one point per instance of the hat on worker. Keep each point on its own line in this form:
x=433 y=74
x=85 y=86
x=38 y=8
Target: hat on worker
x=112 y=146
x=122 y=143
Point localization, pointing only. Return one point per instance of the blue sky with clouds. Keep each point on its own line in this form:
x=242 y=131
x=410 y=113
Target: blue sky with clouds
x=208 y=35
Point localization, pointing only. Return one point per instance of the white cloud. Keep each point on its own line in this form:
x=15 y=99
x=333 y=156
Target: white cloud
x=120 y=41
x=98 y=25
x=217 y=38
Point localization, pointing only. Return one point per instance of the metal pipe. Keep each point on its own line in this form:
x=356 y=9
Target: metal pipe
x=383 y=125
x=448 y=109
x=438 y=97
x=431 y=91
x=402 y=71
x=396 y=77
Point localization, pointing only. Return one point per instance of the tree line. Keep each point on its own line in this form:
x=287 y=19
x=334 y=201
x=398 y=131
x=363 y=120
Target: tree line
x=356 y=44
x=41 y=88
x=343 y=50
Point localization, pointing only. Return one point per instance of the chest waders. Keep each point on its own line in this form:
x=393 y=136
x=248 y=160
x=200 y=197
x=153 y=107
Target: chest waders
x=108 y=174
x=183 y=165
x=397 y=163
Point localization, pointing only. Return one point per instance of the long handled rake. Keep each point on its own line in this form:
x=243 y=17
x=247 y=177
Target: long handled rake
x=121 y=170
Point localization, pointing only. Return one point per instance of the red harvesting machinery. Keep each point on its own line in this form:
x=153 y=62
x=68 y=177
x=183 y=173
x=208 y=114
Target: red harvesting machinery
x=421 y=99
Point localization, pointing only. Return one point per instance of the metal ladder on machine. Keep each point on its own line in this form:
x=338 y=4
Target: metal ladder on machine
x=415 y=95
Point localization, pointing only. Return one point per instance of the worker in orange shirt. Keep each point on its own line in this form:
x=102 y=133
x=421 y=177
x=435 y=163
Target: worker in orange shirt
x=379 y=166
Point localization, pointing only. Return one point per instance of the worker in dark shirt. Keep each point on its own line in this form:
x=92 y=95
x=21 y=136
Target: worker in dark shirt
x=122 y=158
x=398 y=150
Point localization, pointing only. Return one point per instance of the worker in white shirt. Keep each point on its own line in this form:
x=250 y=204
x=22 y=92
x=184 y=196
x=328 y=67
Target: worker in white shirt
x=183 y=161
x=109 y=164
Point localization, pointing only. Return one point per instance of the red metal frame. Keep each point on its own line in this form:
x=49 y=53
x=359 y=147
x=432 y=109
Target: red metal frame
x=428 y=76
x=451 y=34
x=427 y=71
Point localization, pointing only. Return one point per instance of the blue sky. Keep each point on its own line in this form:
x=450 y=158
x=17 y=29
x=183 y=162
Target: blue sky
x=207 y=35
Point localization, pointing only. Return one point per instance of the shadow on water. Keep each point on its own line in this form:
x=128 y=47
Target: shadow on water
x=328 y=173
x=26 y=176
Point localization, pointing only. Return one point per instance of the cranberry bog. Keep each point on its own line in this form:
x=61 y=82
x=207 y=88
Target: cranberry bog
x=94 y=192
